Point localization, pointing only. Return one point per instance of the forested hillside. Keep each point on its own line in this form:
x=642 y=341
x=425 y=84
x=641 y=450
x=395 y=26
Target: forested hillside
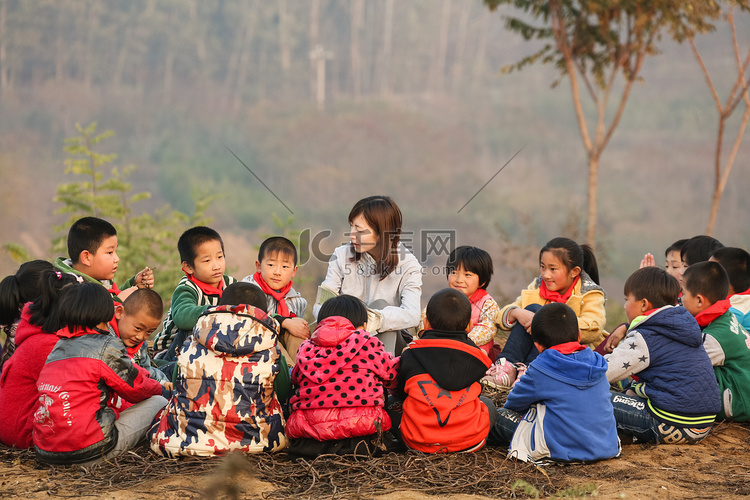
x=327 y=101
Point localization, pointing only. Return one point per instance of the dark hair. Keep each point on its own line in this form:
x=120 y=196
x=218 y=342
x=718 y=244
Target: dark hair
x=736 y=262
x=472 y=259
x=243 y=292
x=449 y=310
x=655 y=285
x=699 y=249
x=708 y=279
x=277 y=244
x=572 y=255
x=85 y=306
x=554 y=324
x=384 y=217
x=19 y=288
x=675 y=247
x=44 y=309
x=194 y=237
x=346 y=306
x=144 y=299
x=88 y=233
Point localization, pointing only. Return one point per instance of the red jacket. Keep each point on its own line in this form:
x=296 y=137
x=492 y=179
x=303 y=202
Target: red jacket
x=18 y=394
x=340 y=373
x=73 y=422
x=439 y=378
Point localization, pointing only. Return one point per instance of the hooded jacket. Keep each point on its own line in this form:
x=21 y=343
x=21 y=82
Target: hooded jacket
x=578 y=421
x=73 y=421
x=223 y=394
x=18 y=393
x=439 y=378
x=665 y=349
x=340 y=372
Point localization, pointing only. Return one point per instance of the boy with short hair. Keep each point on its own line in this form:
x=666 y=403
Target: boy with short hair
x=439 y=382
x=727 y=343
x=135 y=320
x=275 y=268
x=736 y=262
x=92 y=250
x=202 y=254
x=224 y=396
x=560 y=409
x=676 y=398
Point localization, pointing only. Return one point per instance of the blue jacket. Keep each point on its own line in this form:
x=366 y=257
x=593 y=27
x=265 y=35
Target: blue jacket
x=578 y=421
x=665 y=350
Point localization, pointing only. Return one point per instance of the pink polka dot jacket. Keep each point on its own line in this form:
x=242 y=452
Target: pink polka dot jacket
x=340 y=374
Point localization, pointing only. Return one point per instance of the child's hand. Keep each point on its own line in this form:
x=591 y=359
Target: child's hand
x=615 y=338
x=145 y=278
x=168 y=386
x=523 y=316
x=298 y=327
x=648 y=261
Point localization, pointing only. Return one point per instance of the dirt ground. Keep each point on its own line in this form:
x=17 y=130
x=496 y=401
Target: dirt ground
x=717 y=467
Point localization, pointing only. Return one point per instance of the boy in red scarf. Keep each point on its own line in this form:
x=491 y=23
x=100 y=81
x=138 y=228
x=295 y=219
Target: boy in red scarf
x=736 y=262
x=704 y=294
x=275 y=268
x=202 y=254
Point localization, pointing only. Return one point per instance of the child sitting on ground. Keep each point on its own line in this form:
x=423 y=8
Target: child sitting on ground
x=275 y=268
x=223 y=394
x=676 y=398
x=727 y=343
x=569 y=274
x=202 y=254
x=560 y=409
x=134 y=322
x=92 y=247
x=736 y=262
x=35 y=337
x=469 y=271
x=340 y=371
x=438 y=382
x=73 y=423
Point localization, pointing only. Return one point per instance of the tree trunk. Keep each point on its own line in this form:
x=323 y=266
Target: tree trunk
x=385 y=62
x=592 y=192
x=438 y=64
x=357 y=12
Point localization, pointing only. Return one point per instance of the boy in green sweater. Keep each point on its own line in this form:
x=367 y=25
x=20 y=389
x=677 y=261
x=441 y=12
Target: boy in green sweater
x=202 y=254
x=92 y=247
x=704 y=294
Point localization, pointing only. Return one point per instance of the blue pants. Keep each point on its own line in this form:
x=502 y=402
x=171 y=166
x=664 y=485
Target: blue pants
x=501 y=433
x=520 y=347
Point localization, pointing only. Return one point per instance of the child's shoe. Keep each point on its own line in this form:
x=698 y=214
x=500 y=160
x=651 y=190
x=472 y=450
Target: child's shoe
x=520 y=370
x=501 y=375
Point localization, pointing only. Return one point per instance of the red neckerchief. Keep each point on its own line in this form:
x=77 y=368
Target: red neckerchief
x=555 y=296
x=206 y=288
x=746 y=292
x=113 y=289
x=477 y=296
x=706 y=316
x=568 y=347
x=280 y=295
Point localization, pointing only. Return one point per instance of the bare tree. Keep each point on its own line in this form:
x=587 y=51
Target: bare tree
x=738 y=94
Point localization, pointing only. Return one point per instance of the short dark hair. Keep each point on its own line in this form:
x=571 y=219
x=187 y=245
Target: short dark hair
x=277 y=244
x=346 y=306
x=736 y=262
x=573 y=255
x=45 y=308
x=472 y=259
x=88 y=233
x=699 y=249
x=675 y=247
x=85 y=305
x=708 y=279
x=194 y=237
x=19 y=288
x=655 y=285
x=449 y=310
x=243 y=292
x=144 y=299
x=554 y=324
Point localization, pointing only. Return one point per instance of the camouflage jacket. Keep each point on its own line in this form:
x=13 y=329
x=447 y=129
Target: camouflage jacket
x=223 y=394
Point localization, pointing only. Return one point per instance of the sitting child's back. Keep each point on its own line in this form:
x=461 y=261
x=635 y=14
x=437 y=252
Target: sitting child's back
x=223 y=394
